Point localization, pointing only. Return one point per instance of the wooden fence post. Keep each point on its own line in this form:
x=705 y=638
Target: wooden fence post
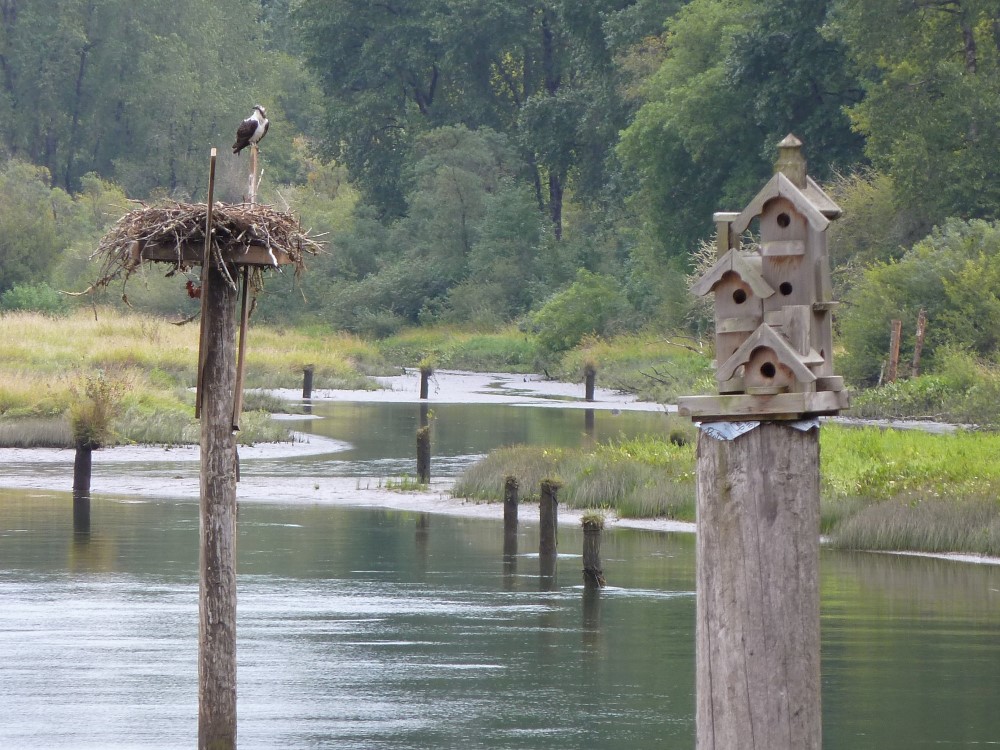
x=757 y=632
x=896 y=335
x=918 y=344
x=589 y=377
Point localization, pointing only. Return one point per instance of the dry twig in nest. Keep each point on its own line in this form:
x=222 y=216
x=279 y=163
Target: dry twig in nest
x=235 y=228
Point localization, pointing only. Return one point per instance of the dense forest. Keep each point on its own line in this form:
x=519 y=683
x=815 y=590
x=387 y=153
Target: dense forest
x=551 y=163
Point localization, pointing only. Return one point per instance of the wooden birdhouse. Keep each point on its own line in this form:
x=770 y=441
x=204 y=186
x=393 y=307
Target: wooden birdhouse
x=773 y=303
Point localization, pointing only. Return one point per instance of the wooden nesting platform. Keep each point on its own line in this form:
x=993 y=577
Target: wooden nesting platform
x=192 y=254
x=243 y=234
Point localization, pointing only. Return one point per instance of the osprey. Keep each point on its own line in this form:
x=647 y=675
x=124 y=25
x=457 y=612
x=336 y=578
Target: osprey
x=252 y=129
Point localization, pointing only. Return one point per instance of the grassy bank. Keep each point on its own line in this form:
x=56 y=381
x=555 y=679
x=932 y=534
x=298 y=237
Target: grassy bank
x=881 y=489
x=45 y=360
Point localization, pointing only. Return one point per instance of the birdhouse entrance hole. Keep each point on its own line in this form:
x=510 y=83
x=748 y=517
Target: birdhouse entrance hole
x=739 y=296
x=768 y=370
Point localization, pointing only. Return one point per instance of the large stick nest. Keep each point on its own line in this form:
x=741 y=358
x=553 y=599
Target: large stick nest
x=180 y=225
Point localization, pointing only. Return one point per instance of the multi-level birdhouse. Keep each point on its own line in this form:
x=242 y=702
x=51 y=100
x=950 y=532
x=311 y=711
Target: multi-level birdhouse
x=773 y=302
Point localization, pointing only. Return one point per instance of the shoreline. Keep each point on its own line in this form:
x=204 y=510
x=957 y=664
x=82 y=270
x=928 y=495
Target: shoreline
x=360 y=492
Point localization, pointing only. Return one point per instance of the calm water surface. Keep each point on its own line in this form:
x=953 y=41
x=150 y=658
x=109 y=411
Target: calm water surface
x=374 y=629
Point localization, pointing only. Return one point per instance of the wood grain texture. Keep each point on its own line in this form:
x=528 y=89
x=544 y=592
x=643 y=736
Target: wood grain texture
x=217 y=568
x=757 y=634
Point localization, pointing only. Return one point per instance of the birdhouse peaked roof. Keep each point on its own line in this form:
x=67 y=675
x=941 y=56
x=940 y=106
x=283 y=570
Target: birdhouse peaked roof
x=767 y=336
x=811 y=202
x=733 y=262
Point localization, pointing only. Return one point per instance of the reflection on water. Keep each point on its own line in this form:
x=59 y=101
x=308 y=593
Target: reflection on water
x=379 y=629
x=356 y=629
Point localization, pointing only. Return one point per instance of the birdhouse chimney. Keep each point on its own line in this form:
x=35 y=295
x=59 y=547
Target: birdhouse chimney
x=791 y=162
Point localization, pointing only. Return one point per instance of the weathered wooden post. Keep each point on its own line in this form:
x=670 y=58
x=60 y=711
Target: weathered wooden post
x=589 y=378
x=83 y=462
x=307 y=382
x=548 y=518
x=223 y=240
x=426 y=371
x=757 y=632
x=895 y=337
x=510 y=502
x=918 y=343
x=424 y=454
x=593 y=574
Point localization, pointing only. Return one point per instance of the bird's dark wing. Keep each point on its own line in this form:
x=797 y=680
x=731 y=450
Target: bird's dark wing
x=243 y=133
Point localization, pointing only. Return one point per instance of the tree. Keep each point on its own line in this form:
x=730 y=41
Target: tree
x=29 y=240
x=137 y=92
x=931 y=114
x=737 y=77
x=537 y=72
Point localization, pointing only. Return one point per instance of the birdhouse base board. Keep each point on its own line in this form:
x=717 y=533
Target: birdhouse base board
x=782 y=406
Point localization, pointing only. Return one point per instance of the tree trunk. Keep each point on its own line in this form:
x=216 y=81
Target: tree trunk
x=217 y=606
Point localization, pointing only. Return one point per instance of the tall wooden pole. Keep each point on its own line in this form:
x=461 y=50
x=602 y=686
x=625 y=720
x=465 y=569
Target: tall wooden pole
x=217 y=529
x=217 y=569
x=757 y=633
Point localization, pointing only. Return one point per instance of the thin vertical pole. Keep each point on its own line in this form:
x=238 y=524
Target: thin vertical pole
x=205 y=263
x=241 y=352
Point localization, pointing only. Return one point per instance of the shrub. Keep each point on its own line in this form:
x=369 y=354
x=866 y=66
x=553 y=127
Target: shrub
x=38 y=297
x=593 y=304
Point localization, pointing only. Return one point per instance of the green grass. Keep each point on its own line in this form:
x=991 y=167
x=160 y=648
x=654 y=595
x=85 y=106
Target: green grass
x=646 y=477
x=881 y=489
x=45 y=362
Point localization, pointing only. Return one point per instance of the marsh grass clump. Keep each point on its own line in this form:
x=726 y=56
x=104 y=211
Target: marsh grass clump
x=928 y=524
x=34 y=432
x=95 y=408
x=641 y=477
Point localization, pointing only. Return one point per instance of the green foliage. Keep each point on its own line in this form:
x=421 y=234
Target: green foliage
x=29 y=241
x=961 y=390
x=735 y=79
x=38 y=297
x=593 y=304
x=952 y=274
x=931 y=111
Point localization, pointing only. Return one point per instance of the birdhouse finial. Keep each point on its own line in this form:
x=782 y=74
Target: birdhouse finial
x=791 y=162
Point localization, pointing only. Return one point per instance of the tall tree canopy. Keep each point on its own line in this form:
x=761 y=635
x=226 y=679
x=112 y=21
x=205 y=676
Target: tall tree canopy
x=536 y=71
x=931 y=114
x=133 y=91
x=737 y=76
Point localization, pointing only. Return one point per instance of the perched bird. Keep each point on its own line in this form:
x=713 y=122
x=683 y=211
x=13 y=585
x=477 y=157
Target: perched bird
x=252 y=129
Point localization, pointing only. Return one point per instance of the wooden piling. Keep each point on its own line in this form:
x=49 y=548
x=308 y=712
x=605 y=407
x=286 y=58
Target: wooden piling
x=589 y=378
x=307 y=382
x=82 y=468
x=510 y=503
x=757 y=632
x=548 y=518
x=593 y=574
x=425 y=375
x=217 y=621
x=424 y=455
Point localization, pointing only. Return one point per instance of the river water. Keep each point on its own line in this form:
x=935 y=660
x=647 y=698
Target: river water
x=375 y=628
